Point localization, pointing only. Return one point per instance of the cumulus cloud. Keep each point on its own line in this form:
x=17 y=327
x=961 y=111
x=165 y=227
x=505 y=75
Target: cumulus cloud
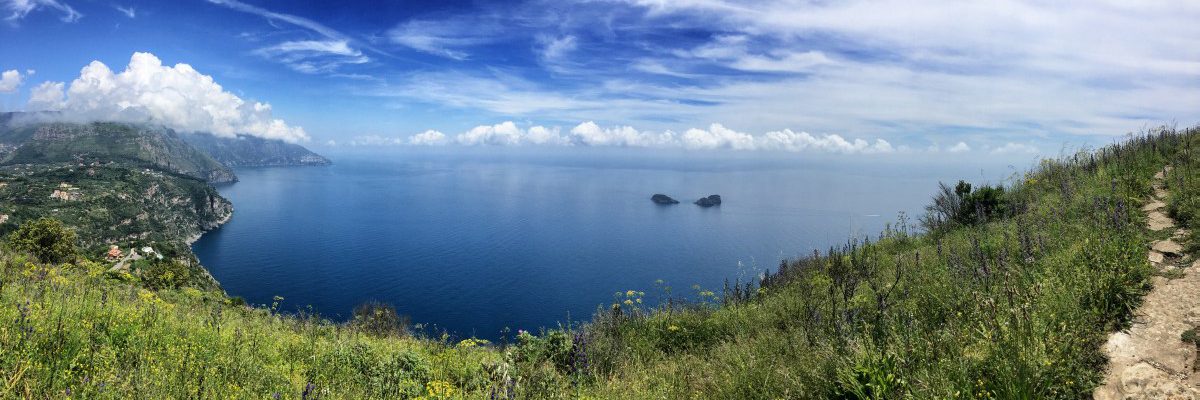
x=147 y=91
x=1015 y=148
x=10 y=81
x=18 y=9
x=591 y=134
x=47 y=96
x=961 y=147
x=428 y=138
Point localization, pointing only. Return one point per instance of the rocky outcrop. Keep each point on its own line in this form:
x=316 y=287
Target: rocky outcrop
x=663 y=199
x=711 y=200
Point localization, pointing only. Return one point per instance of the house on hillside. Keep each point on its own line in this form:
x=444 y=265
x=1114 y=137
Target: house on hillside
x=114 y=253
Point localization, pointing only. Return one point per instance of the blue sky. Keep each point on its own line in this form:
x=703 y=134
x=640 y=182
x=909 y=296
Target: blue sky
x=846 y=77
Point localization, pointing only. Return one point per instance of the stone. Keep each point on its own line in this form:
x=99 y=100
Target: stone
x=711 y=200
x=1168 y=247
x=663 y=199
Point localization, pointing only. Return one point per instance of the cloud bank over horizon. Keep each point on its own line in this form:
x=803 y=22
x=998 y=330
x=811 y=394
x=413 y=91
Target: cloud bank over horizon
x=147 y=91
x=715 y=137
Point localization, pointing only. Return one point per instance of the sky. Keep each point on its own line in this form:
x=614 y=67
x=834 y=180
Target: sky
x=843 y=77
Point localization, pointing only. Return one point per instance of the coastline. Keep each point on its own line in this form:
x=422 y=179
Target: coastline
x=196 y=236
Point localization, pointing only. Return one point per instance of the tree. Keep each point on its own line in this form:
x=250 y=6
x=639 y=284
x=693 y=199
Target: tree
x=45 y=238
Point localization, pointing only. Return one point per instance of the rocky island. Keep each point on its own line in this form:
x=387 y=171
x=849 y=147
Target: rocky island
x=711 y=200
x=663 y=199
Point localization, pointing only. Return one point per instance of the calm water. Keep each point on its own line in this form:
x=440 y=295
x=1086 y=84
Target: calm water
x=476 y=242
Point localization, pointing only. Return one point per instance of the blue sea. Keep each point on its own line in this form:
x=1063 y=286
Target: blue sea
x=473 y=241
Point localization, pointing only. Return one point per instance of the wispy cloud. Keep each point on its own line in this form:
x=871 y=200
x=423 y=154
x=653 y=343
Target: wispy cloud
x=127 y=11
x=288 y=18
x=451 y=38
x=314 y=56
x=307 y=56
x=18 y=9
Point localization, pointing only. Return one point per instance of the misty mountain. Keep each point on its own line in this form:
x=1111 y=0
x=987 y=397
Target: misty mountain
x=102 y=142
x=252 y=151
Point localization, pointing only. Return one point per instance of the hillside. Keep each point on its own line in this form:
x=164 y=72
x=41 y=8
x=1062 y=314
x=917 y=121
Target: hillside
x=137 y=145
x=251 y=151
x=1007 y=292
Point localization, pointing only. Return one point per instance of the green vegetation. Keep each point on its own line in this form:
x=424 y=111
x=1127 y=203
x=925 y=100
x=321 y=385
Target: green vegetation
x=1012 y=302
x=45 y=238
x=1184 y=181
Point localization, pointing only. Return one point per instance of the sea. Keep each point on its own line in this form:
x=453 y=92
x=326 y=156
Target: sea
x=482 y=242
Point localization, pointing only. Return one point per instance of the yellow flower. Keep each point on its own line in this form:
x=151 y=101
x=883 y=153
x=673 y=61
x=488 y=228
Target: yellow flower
x=630 y=293
x=672 y=328
x=629 y=302
x=439 y=390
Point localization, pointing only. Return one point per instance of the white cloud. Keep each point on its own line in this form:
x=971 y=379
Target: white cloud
x=307 y=56
x=446 y=38
x=960 y=147
x=733 y=51
x=792 y=141
x=47 y=96
x=274 y=16
x=18 y=9
x=10 y=81
x=554 y=48
x=314 y=56
x=147 y=91
x=1015 y=148
x=127 y=11
x=591 y=134
x=428 y=138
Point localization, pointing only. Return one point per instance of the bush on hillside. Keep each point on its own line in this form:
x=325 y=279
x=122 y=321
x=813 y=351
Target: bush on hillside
x=166 y=274
x=45 y=238
x=964 y=205
x=380 y=319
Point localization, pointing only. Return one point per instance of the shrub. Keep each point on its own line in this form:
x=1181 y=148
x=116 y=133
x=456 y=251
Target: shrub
x=380 y=319
x=964 y=205
x=166 y=274
x=45 y=238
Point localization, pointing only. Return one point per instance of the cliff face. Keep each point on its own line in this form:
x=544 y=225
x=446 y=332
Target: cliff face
x=250 y=151
x=136 y=145
x=109 y=203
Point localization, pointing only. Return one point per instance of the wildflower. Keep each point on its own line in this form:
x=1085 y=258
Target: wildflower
x=630 y=293
x=672 y=328
x=629 y=302
x=440 y=390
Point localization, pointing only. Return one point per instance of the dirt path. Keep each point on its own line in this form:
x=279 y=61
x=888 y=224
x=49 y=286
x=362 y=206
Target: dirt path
x=1150 y=360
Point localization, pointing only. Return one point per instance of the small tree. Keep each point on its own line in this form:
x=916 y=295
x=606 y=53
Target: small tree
x=45 y=238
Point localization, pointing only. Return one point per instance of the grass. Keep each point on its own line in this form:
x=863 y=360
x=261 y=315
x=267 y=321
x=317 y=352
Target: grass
x=1015 y=304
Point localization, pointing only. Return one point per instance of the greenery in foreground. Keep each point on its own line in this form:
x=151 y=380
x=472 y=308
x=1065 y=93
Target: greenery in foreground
x=1009 y=294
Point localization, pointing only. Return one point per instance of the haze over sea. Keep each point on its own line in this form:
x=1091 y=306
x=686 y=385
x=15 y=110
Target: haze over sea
x=476 y=240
